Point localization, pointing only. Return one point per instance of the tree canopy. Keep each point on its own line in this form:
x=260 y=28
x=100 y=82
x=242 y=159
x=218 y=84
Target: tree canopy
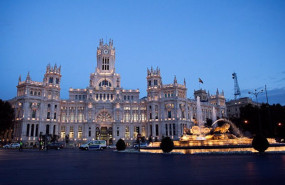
x=271 y=119
x=6 y=116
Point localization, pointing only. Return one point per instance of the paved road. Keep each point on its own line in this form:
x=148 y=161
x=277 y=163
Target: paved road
x=108 y=167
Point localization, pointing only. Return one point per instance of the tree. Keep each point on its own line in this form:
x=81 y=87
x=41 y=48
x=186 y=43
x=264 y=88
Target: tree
x=270 y=118
x=260 y=143
x=166 y=145
x=120 y=145
x=6 y=117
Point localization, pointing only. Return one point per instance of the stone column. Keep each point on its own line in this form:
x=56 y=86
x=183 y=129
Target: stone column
x=76 y=131
x=131 y=127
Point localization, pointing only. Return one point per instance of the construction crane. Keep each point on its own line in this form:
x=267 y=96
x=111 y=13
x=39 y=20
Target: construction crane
x=236 y=86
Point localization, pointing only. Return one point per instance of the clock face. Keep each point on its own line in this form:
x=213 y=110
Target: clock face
x=105 y=51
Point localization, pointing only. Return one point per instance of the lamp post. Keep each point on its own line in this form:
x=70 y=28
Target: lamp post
x=255 y=93
x=259 y=142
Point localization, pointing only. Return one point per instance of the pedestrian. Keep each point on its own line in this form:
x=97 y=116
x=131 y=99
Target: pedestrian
x=21 y=146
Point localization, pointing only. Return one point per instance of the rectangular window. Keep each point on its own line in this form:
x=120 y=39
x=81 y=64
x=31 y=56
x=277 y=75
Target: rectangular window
x=80 y=132
x=37 y=130
x=54 y=115
x=47 y=129
x=156 y=130
x=32 y=129
x=34 y=114
x=143 y=130
x=143 y=117
x=62 y=129
x=63 y=117
x=118 y=131
x=71 y=133
x=170 y=130
x=135 y=117
x=57 y=80
x=150 y=116
x=174 y=132
x=53 y=132
x=166 y=129
x=155 y=82
x=28 y=130
x=80 y=117
x=48 y=115
x=71 y=117
x=169 y=114
x=138 y=130
x=150 y=127
x=51 y=80
x=127 y=132
x=149 y=83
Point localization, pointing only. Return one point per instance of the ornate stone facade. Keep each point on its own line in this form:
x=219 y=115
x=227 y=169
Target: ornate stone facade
x=104 y=110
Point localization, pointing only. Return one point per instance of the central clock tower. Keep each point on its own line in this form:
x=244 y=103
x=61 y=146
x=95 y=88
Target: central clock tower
x=105 y=57
x=105 y=75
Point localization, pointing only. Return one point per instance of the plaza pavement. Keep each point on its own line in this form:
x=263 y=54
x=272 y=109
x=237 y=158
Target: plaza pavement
x=75 y=167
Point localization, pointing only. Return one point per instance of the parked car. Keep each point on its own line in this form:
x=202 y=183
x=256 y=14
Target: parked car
x=12 y=145
x=55 y=145
x=97 y=144
x=142 y=145
x=112 y=146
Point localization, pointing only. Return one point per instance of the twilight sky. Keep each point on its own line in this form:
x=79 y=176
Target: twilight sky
x=189 y=39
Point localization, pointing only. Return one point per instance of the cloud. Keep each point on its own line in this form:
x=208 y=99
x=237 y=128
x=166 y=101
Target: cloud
x=275 y=96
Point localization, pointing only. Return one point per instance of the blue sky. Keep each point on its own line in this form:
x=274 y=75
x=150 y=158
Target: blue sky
x=189 y=39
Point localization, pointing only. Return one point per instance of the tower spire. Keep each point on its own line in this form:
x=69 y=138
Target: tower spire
x=28 y=78
x=175 y=80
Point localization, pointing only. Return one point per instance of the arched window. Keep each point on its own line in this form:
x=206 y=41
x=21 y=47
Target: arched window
x=105 y=83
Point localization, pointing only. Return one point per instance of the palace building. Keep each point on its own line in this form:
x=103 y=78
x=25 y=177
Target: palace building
x=104 y=110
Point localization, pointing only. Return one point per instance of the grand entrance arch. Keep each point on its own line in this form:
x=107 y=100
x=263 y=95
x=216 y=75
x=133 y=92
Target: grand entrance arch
x=104 y=130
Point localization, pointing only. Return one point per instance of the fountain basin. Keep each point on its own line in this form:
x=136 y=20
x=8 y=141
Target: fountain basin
x=239 y=145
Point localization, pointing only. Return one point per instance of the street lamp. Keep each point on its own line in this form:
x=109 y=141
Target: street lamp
x=255 y=93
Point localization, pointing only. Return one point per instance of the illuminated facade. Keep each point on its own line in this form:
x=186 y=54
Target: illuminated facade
x=104 y=110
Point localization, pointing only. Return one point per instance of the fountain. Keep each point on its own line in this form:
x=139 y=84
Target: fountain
x=224 y=138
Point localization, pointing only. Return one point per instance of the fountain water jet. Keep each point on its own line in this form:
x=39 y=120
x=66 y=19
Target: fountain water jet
x=234 y=127
x=201 y=135
x=199 y=113
x=214 y=115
